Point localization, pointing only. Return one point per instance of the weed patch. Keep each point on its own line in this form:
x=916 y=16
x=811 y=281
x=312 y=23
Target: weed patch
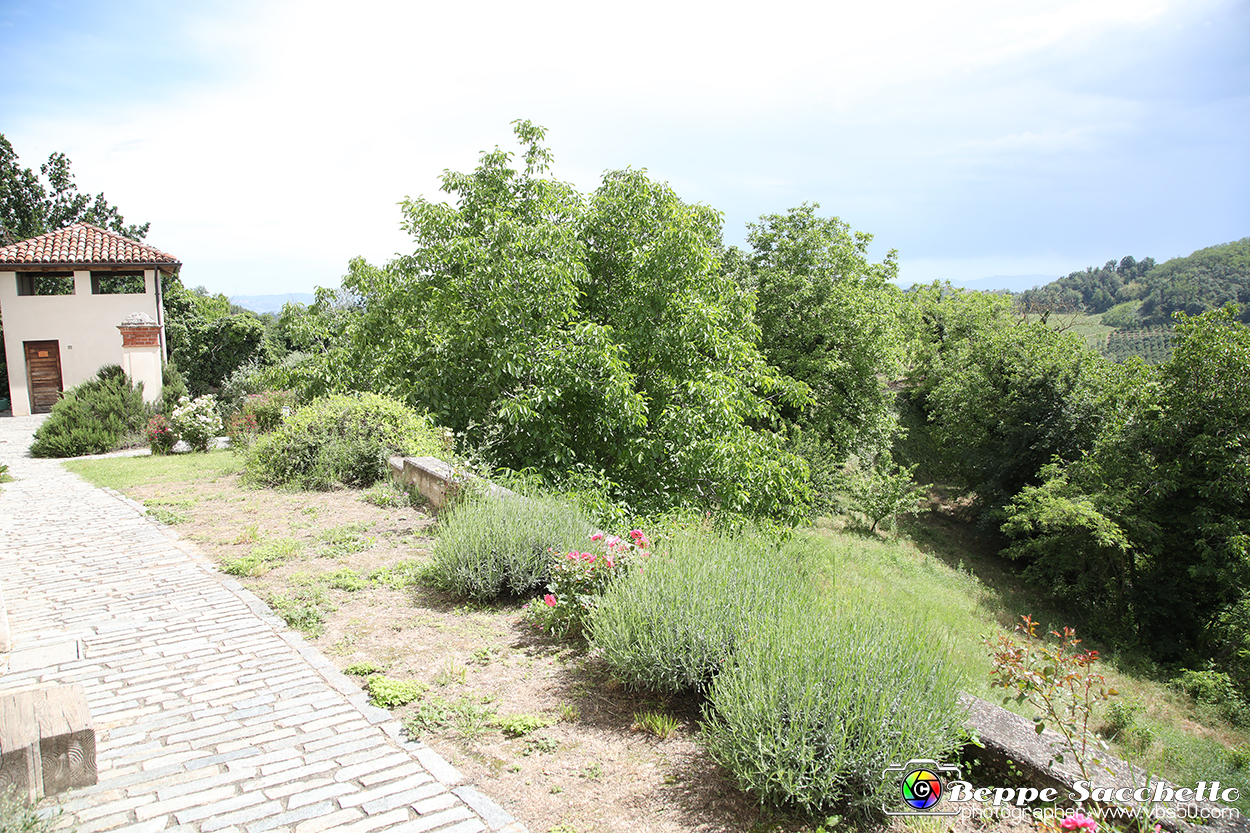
x=387 y=693
x=345 y=579
x=519 y=725
x=304 y=609
x=662 y=725
x=362 y=669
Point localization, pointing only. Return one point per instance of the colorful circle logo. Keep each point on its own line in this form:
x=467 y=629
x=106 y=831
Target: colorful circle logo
x=922 y=789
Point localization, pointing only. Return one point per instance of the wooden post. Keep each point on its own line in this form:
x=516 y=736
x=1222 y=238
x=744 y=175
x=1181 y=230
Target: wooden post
x=47 y=743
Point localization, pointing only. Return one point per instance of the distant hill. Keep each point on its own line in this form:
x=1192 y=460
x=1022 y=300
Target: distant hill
x=1141 y=293
x=1011 y=283
x=271 y=303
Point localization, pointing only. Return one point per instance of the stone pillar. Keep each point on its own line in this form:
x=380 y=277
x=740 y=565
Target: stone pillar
x=141 y=353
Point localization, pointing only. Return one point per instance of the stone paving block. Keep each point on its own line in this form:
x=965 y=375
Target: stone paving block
x=242 y=817
x=203 y=700
x=328 y=791
x=404 y=797
x=207 y=794
x=298 y=786
x=290 y=817
x=492 y=813
x=439 y=821
x=378 y=822
x=438 y=802
x=350 y=768
x=109 y=822
x=329 y=822
x=395 y=773
x=200 y=812
x=438 y=766
x=405 y=786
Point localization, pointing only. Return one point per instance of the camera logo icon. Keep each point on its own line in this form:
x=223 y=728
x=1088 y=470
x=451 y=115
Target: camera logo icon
x=916 y=788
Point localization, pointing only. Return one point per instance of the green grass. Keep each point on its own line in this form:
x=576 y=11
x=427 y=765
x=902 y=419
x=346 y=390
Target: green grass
x=979 y=597
x=124 y=472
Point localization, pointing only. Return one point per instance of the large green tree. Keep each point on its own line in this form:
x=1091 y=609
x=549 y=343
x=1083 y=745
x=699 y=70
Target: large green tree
x=570 y=332
x=209 y=338
x=1002 y=397
x=831 y=318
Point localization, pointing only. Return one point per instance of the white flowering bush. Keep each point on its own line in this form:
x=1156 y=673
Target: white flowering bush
x=196 y=421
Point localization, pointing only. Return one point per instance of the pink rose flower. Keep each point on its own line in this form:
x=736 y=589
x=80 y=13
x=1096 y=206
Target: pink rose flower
x=1078 y=821
x=550 y=600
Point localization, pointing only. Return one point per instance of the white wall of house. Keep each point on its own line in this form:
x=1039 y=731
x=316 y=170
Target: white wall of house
x=85 y=326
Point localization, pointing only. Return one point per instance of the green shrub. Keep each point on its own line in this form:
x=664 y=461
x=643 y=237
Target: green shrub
x=268 y=408
x=92 y=418
x=501 y=547
x=811 y=709
x=670 y=625
x=173 y=387
x=342 y=439
x=1215 y=688
x=196 y=421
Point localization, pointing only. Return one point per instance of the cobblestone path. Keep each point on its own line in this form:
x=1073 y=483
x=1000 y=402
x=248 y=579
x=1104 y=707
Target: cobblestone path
x=210 y=714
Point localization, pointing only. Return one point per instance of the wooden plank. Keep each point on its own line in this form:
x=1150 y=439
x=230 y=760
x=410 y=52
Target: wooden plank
x=67 y=740
x=21 y=766
x=18 y=727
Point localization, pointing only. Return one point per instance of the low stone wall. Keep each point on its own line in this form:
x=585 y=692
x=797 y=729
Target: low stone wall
x=436 y=480
x=1010 y=746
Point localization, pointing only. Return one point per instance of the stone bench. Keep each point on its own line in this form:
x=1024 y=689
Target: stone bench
x=47 y=743
x=434 y=479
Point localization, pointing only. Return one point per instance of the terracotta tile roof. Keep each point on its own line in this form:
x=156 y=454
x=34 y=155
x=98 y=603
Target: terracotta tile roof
x=82 y=245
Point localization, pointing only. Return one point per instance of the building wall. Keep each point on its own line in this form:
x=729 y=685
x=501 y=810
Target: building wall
x=85 y=326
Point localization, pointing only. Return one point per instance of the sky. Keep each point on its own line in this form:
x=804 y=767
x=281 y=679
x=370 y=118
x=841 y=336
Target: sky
x=269 y=142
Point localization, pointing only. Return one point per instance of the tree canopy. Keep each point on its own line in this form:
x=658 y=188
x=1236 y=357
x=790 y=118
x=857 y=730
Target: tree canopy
x=574 y=333
x=36 y=203
x=830 y=318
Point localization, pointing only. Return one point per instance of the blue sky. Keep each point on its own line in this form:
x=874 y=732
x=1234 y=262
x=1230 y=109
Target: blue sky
x=268 y=142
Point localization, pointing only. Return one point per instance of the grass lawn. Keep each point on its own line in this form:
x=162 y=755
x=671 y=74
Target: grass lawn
x=121 y=473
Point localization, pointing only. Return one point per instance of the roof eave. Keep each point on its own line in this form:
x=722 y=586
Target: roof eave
x=77 y=265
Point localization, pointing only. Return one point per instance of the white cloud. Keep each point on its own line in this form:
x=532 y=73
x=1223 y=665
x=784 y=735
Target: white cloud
x=319 y=117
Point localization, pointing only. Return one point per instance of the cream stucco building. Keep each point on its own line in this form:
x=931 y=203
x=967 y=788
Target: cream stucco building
x=74 y=300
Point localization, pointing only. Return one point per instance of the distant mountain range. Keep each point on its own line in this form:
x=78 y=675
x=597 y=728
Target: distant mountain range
x=271 y=303
x=1015 y=283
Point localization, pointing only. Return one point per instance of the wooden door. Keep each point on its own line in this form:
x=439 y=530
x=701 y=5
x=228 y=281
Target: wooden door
x=43 y=374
